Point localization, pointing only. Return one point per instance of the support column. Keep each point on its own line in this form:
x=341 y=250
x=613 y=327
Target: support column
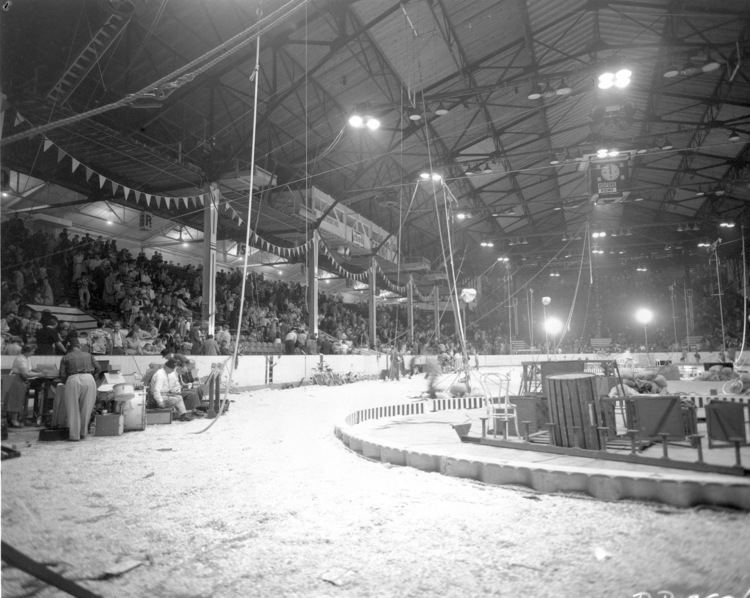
x=436 y=296
x=312 y=283
x=210 y=221
x=410 y=307
x=373 y=300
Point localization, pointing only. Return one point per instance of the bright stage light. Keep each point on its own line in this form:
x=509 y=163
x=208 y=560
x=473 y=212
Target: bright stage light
x=644 y=315
x=546 y=301
x=553 y=326
x=356 y=121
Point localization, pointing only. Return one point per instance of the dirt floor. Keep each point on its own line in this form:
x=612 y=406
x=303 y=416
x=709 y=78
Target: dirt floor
x=269 y=503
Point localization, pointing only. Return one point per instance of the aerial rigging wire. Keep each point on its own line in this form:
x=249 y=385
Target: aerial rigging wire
x=254 y=77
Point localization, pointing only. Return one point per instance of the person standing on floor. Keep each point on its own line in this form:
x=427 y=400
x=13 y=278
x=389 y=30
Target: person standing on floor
x=77 y=370
x=17 y=390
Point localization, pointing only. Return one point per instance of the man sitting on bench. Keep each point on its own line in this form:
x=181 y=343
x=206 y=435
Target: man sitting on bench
x=166 y=390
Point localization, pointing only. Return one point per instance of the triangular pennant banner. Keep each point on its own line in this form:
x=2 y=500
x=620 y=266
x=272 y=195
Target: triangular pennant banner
x=102 y=180
x=47 y=144
x=60 y=154
x=74 y=164
x=89 y=172
x=19 y=120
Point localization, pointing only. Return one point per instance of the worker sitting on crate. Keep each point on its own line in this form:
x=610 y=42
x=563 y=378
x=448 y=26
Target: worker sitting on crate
x=166 y=390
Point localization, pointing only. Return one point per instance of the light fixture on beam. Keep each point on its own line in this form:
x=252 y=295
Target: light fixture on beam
x=563 y=90
x=414 y=115
x=361 y=120
x=435 y=177
x=441 y=109
x=734 y=136
x=619 y=79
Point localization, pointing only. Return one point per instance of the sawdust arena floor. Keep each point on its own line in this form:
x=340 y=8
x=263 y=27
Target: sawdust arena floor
x=269 y=503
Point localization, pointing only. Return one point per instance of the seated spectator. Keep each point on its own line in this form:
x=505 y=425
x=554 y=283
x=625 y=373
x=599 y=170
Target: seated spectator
x=34 y=324
x=12 y=346
x=48 y=339
x=192 y=392
x=117 y=339
x=149 y=349
x=166 y=391
x=223 y=335
x=290 y=341
x=209 y=346
x=133 y=345
x=99 y=340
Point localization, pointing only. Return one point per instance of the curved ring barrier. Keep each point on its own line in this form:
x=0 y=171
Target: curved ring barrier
x=679 y=488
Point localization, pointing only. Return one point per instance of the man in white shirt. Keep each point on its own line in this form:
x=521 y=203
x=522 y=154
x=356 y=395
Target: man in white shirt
x=166 y=390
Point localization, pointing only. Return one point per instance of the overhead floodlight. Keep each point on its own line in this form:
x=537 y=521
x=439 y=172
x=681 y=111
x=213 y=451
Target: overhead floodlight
x=667 y=145
x=734 y=136
x=414 y=115
x=672 y=72
x=435 y=177
x=606 y=80
x=613 y=153
x=535 y=93
x=622 y=78
x=548 y=92
x=356 y=121
x=553 y=326
x=503 y=258
x=441 y=109
x=711 y=65
x=644 y=315
x=602 y=153
x=727 y=225
x=372 y=123
x=563 y=90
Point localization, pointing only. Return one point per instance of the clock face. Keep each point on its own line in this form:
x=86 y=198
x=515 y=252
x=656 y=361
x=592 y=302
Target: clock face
x=610 y=172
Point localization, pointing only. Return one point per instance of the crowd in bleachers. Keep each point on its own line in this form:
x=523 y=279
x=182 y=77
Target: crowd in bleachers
x=146 y=305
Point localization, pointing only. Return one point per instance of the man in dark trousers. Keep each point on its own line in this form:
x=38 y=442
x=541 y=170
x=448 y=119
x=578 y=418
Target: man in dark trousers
x=77 y=370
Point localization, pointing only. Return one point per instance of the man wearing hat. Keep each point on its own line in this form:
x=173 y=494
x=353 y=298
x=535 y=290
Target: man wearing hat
x=166 y=389
x=77 y=370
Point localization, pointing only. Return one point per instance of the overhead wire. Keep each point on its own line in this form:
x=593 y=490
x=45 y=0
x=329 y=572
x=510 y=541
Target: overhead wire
x=255 y=78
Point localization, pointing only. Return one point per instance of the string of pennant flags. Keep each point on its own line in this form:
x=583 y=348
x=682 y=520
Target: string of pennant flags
x=151 y=200
x=192 y=202
x=278 y=250
x=392 y=287
x=359 y=276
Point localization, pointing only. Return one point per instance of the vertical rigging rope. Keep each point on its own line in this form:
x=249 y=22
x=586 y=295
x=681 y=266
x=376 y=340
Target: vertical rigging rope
x=254 y=77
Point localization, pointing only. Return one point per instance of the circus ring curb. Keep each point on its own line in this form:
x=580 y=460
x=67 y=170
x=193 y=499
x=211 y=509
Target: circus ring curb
x=602 y=484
